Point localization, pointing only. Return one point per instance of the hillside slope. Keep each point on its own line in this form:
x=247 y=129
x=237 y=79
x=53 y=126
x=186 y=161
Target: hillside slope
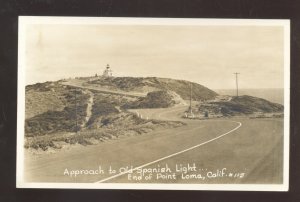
x=42 y=97
x=155 y=99
x=150 y=84
x=57 y=113
x=241 y=105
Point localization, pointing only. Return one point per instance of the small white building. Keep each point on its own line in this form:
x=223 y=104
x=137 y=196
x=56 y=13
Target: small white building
x=107 y=72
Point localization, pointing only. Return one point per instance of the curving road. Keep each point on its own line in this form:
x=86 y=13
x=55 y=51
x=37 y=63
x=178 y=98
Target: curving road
x=249 y=147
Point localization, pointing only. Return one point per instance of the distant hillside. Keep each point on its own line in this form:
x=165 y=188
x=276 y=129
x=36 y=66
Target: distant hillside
x=241 y=105
x=155 y=99
x=150 y=84
x=275 y=95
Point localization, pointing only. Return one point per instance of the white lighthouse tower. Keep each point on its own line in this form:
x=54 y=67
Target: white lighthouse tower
x=107 y=72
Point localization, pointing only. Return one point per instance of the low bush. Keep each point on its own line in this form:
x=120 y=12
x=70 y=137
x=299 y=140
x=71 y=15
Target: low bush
x=56 y=121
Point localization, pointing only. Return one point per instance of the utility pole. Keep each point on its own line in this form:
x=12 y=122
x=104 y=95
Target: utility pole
x=191 y=100
x=237 y=85
x=76 y=110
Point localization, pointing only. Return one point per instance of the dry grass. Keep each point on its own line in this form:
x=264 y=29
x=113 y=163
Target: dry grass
x=115 y=129
x=38 y=102
x=61 y=120
x=108 y=120
x=155 y=99
x=138 y=84
x=242 y=105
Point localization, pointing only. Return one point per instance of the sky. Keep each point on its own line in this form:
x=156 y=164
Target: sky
x=208 y=55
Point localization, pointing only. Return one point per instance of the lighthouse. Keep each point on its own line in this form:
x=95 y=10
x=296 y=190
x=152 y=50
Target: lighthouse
x=107 y=72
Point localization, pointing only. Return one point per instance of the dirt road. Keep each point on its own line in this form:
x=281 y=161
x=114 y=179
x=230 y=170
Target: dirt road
x=82 y=84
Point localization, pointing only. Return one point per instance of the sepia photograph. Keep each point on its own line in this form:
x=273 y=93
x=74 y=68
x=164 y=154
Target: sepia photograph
x=153 y=103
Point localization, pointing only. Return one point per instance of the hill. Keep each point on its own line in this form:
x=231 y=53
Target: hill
x=150 y=84
x=241 y=105
x=155 y=99
x=56 y=113
x=51 y=107
x=275 y=95
x=42 y=97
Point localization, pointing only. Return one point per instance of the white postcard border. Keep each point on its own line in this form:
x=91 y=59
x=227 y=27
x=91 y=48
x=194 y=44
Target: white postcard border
x=27 y=20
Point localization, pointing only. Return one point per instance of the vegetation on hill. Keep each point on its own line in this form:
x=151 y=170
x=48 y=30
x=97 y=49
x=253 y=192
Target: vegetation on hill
x=63 y=120
x=149 y=84
x=42 y=97
x=51 y=109
x=182 y=88
x=241 y=105
x=50 y=125
x=117 y=124
x=105 y=104
x=155 y=99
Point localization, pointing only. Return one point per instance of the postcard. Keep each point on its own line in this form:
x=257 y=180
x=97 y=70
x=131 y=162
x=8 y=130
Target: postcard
x=153 y=103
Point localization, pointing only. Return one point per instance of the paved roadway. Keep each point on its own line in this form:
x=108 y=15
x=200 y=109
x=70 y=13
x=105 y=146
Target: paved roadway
x=251 y=148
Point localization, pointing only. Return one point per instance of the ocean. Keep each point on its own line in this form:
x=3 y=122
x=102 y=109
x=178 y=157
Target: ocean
x=273 y=95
